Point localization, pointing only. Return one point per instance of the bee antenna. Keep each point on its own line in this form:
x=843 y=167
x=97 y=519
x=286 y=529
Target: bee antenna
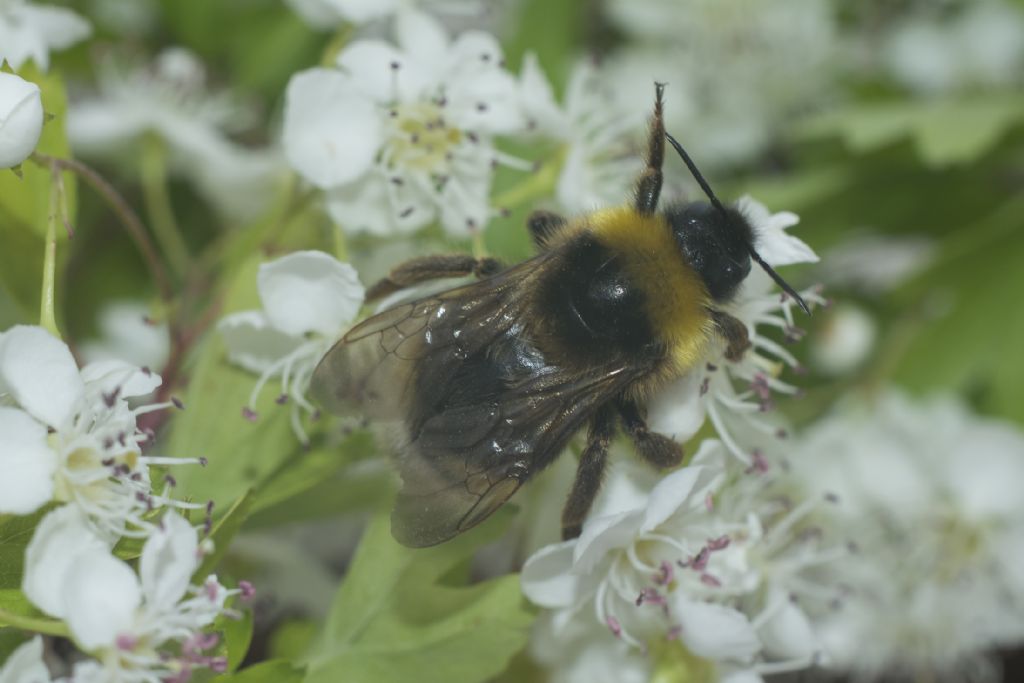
x=695 y=172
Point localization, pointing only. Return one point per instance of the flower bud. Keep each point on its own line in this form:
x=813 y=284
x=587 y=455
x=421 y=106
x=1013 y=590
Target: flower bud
x=21 y=119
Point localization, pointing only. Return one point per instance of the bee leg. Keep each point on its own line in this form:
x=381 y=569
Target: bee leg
x=734 y=332
x=657 y=449
x=424 y=268
x=588 y=474
x=648 y=185
x=543 y=225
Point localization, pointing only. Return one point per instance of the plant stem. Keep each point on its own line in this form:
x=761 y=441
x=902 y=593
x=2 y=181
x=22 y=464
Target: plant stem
x=158 y=205
x=47 y=318
x=124 y=212
x=50 y=627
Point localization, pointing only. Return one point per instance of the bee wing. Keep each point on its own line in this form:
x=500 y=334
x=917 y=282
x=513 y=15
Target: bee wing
x=465 y=461
x=371 y=369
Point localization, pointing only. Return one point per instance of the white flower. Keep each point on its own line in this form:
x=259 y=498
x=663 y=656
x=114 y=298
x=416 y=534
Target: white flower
x=127 y=334
x=29 y=31
x=710 y=391
x=708 y=558
x=982 y=45
x=140 y=628
x=171 y=100
x=73 y=437
x=737 y=69
x=600 y=161
x=327 y=14
x=21 y=119
x=308 y=300
x=399 y=137
x=25 y=665
x=929 y=493
x=844 y=341
x=875 y=264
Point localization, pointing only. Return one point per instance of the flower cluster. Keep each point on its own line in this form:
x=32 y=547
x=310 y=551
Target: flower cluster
x=170 y=102
x=417 y=142
x=144 y=628
x=928 y=495
x=72 y=437
x=714 y=558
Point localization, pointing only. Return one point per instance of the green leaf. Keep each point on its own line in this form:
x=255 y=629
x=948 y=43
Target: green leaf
x=551 y=30
x=944 y=132
x=403 y=614
x=345 y=492
x=273 y=671
x=15 y=534
x=292 y=638
x=963 y=335
x=237 y=637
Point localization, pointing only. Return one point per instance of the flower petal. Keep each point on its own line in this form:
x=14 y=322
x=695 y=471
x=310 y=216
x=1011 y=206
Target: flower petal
x=384 y=73
x=715 y=631
x=369 y=206
x=25 y=665
x=309 y=291
x=37 y=369
x=671 y=493
x=101 y=595
x=788 y=634
x=60 y=539
x=547 y=578
x=21 y=118
x=109 y=376
x=61 y=27
x=602 y=535
x=677 y=410
x=252 y=342
x=773 y=243
x=169 y=558
x=331 y=130
x=423 y=38
x=27 y=462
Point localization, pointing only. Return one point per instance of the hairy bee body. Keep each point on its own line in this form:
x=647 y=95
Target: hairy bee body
x=485 y=384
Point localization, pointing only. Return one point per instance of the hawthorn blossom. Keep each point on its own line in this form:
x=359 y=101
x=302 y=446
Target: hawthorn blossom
x=308 y=300
x=737 y=70
x=146 y=628
x=710 y=391
x=170 y=100
x=31 y=31
x=401 y=136
x=929 y=493
x=601 y=162
x=21 y=119
x=981 y=45
x=710 y=558
x=71 y=435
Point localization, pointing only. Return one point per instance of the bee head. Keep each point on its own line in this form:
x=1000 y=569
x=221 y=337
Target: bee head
x=721 y=245
x=715 y=243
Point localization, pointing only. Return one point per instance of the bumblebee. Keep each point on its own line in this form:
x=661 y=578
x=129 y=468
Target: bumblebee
x=487 y=383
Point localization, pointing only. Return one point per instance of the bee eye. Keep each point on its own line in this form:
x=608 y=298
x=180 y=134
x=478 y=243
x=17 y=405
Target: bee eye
x=714 y=245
